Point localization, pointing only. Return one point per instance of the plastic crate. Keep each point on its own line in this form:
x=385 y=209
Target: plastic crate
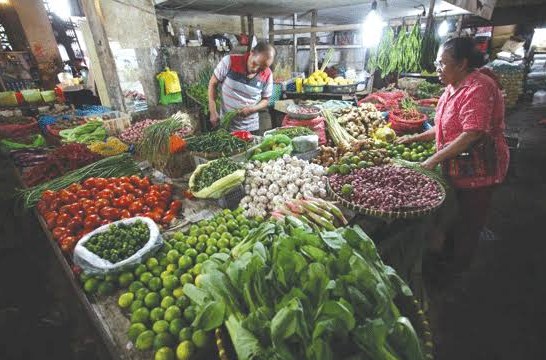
x=232 y=199
x=309 y=155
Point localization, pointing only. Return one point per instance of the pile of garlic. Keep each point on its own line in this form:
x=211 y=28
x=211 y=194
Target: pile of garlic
x=267 y=185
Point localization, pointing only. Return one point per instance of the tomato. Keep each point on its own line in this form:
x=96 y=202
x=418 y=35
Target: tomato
x=135 y=180
x=42 y=207
x=90 y=183
x=55 y=204
x=159 y=211
x=59 y=232
x=139 y=215
x=129 y=188
x=109 y=213
x=155 y=188
x=144 y=184
x=91 y=221
x=64 y=210
x=167 y=187
x=167 y=219
x=63 y=219
x=165 y=195
x=105 y=194
x=175 y=205
x=119 y=191
x=51 y=219
x=170 y=212
x=104 y=222
x=67 y=197
x=135 y=207
x=68 y=243
x=124 y=179
x=81 y=214
x=86 y=203
x=154 y=193
x=74 y=188
x=130 y=198
x=91 y=210
x=162 y=204
x=83 y=194
x=74 y=209
x=138 y=193
x=125 y=214
x=146 y=208
x=151 y=201
x=188 y=194
x=100 y=203
x=74 y=225
x=48 y=196
x=153 y=216
x=123 y=202
x=100 y=183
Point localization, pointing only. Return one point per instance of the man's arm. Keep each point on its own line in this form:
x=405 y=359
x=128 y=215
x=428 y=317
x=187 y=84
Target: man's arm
x=213 y=83
x=249 y=110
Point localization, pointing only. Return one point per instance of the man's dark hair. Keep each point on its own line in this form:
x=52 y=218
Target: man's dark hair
x=465 y=48
x=263 y=47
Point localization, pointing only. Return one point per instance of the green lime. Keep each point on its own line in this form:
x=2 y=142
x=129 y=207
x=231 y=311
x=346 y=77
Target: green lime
x=201 y=258
x=137 y=304
x=160 y=326
x=164 y=353
x=170 y=282
x=163 y=261
x=146 y=276
x=172 y=313
x=215 y=235
x=186 y=279
x=145 y=340
x=223 y=244
x=111 y=277
x=173 y=256
x=211 y=242
x=141 y=315
x=211 y=250
x=171 y=268
x=141 y=293
x=175 y=326
x=196 y=270
x=152 y=300
x=232 y=225
x=135 y=330
x=125 y=300
x=198 y=280
x=234 y=241
x=202 y=238
x=420 y=148
x=184 y=334
x=151 y=263
x=200 y=247
x=183 y=302
x=185 y=261
x=164 y=292
x=125 y=279
x=191 y=241
x=91 y=285
x=189 y=314
x=199 y=338
x=179 y=236
x=178 y=292
x=135 y=285
x=185 y=350
x=222 y=229
x=157 y=270
x=106 y=288
x=167 y=302
x=181 y=247
x=155 y=284
x=157 y=314
x=140 y=269
x=84 y=277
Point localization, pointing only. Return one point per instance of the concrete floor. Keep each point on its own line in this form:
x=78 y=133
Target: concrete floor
x=496 y=311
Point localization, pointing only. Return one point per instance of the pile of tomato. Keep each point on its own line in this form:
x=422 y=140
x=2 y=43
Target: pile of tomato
x=81 y=208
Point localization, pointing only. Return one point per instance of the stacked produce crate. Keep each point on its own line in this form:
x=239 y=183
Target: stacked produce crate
x=511 y=76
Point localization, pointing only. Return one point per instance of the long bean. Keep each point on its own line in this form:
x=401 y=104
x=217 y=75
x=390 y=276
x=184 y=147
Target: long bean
x=219 y=141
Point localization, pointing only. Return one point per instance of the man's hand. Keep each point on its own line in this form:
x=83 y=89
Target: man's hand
x=214 y=119
x=246 y=111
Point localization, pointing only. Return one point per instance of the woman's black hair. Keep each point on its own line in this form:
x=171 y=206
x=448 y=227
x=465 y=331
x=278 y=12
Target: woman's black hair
x=465 y=48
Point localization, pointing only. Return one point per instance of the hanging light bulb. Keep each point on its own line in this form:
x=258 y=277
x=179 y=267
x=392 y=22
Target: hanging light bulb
x=372 y=28
x=443 y=29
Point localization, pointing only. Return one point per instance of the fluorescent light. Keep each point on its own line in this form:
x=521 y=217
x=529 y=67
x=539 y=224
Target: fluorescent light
x=372 y=29
x=443 y=29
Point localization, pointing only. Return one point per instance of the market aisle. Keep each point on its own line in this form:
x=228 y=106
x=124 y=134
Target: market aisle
x=496 y=311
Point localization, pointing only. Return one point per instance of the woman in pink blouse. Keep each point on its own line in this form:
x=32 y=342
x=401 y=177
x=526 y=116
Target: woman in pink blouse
x=470 y=143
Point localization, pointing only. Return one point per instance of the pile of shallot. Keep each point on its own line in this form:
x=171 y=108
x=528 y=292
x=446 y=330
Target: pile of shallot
x=388 y=188
x=134 y=133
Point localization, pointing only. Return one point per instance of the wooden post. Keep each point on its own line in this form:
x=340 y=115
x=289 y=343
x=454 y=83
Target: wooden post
x=243 y=25
x=250 y=21
x=271 y=28
x=460 y=25
x=295 y=43
x=313 y=44
x=430 y=17
x=93 y=13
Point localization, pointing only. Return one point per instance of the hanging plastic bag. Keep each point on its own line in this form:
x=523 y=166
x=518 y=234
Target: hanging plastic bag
x=92 y=264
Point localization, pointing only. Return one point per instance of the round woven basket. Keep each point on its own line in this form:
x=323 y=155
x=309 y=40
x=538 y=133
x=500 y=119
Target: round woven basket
x=409 y=214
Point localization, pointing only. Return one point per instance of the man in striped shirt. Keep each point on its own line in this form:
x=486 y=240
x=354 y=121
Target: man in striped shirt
x=247 y=84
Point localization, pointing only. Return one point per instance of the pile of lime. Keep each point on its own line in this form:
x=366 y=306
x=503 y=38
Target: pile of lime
x=161 y=315
x=417 y=151
x=360 y=160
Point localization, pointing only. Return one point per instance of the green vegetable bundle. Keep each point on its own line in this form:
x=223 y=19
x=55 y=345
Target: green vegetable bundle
x=289 y=293
x=14 y=144
x=217 y=142
x=216 y=178
x=272 y=147
x=293 y=131
x=113 y=166
x=85 y=134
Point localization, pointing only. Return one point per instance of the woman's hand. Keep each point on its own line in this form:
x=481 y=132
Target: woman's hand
x=406 y=139
x=429 y=164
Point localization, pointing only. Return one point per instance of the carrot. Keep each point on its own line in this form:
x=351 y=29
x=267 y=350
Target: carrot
x=176 y=144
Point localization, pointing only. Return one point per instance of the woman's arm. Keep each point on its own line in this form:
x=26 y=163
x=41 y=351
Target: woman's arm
x=460 y=144
x=424 y=136
x=212 y=100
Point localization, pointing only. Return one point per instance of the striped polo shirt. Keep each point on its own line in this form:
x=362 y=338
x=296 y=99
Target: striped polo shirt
x=239 y=91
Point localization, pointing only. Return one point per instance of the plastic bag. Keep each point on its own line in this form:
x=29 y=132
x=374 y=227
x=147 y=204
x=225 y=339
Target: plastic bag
x=94 y=265
x=317 y=125
x=302 y=144
x=218 y=188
